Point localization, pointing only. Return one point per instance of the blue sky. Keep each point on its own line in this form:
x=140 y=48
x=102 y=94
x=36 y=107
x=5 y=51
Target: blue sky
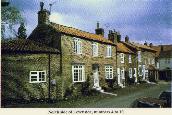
x=141 y=20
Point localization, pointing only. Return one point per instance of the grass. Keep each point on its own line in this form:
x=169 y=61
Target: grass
x=125 y=95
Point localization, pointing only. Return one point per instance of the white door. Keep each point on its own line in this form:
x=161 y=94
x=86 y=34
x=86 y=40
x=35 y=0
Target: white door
x=119 y=76
x=123 y=76
x=96 y=77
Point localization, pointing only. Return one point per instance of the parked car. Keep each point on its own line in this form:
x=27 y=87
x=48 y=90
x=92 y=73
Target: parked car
x=148 y=102
x=166 y=96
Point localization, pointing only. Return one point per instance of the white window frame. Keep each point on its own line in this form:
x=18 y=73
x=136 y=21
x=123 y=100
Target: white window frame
x=130 y=58
x=139 y=56
x=37 y=75
x=109 y=51
x=122 y=57
x=77 y=46
x=130 y=73
x=79 y=70
x=95 y=49
x=153 y=61
x=109 y=72
x=135 y=72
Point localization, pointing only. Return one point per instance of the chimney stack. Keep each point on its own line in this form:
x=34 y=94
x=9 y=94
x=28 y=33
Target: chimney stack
x=162 y=48
x=126 y=39
x=118 y=37
x=112 y=36
x=99 y=31
x=150 y=45
x=145 y=43
x=43 y=15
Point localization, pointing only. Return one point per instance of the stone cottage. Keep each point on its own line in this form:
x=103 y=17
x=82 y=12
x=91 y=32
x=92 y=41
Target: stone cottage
x=84 y=57
x=147 y=70
x=29 y=71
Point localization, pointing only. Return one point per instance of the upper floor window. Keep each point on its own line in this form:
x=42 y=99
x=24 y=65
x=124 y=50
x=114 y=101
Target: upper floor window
x=78 y=73
x=77 y=46
x=109 y=72
x=109 y=51
x=122 y=57
x=129 y=58
x=37 y=76
x=95 y=49
x=139 y=56
x=153 y=61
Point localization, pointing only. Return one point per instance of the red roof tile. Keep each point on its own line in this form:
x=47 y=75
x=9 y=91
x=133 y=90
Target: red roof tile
x=80 y=33
x=122 y=48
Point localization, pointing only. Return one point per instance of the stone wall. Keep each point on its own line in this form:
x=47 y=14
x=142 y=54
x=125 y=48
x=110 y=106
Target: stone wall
x=15 y=76
x=86 y=58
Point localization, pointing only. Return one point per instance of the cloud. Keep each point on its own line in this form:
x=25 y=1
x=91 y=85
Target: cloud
x=140 y=19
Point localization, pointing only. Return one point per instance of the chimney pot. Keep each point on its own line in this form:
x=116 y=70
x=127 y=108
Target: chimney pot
x=97 y=24
x=43 y=15
x=150 y=45
x=99 y=31
x=126 y=38
x=145 y=43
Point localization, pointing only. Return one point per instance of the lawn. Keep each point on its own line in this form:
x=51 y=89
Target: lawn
x=125 y=97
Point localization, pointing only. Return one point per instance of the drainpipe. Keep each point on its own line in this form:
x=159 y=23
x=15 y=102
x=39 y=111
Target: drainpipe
x=49 y=79
x=116 y=65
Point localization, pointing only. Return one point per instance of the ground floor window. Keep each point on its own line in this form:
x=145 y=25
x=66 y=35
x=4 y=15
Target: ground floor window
x=78 y=73
x=37 y=76
x=109 y=72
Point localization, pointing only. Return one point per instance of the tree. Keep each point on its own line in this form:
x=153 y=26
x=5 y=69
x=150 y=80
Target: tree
x=22 y=31
x=10 y=16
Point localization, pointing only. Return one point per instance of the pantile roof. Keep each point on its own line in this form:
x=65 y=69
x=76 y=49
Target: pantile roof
x=138 y=46
x=122 y=48
x=79 y=33
x=25 y=46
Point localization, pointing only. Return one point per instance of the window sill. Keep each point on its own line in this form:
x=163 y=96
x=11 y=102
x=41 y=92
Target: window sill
x=38 y=82
x=109 y=78
x=78 y=81
x=108 y=57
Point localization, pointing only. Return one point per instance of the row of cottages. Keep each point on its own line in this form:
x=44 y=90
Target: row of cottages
x=58 y=61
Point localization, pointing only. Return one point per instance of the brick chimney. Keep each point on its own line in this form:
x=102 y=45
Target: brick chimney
x=150 y=45
x=162 y=48
x=118 y=37
x=5 y=3
x=112 y=36
x=145 y=43
x=99 y=31
x=126 y=39
x=43 y=15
